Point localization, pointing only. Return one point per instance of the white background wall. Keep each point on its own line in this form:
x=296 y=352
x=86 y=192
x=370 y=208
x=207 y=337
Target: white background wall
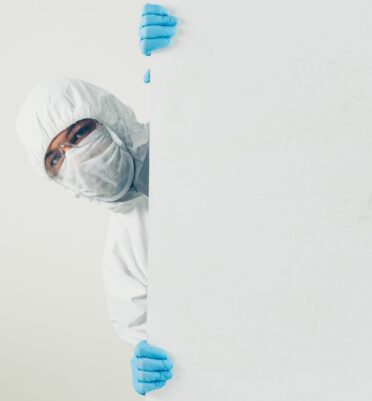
x=261 y=202
x=56 y=341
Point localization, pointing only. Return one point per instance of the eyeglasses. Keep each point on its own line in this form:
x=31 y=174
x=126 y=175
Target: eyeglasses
x=53 y=158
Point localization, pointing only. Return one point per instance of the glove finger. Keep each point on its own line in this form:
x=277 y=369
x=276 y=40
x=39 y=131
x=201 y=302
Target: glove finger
x=162 y=20
x=143 y=388
x=155 y=376
x=154 y=9
x=147 y=77
x=153 y=364
x=148 y=45
x=145 y=350
x=156 y=31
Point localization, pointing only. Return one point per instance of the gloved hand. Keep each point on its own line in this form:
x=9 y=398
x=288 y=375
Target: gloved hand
x=157 y=27
x=151 y=368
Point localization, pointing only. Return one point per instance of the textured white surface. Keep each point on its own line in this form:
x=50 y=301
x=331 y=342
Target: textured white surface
x=261 y=201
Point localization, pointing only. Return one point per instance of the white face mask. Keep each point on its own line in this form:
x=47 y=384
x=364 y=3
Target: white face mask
x=97 y=167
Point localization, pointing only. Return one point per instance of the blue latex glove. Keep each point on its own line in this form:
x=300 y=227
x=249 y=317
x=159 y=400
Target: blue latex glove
x=147 y=77
x=157 y=27
x=151 y=368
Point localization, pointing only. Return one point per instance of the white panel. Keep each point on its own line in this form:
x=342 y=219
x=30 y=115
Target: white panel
x=261 y=201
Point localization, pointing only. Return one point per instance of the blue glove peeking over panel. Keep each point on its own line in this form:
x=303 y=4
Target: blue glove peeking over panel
x=157 y=27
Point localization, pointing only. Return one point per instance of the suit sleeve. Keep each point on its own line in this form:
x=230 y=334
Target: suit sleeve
x=124 y=271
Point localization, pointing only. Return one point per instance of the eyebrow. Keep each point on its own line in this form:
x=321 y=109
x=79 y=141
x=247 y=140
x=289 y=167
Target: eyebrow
x=69 y=129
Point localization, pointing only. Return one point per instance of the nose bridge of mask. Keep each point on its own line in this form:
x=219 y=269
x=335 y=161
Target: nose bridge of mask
x=94 y=148
x=86 y=153
x=98 y=135
x=95 y=142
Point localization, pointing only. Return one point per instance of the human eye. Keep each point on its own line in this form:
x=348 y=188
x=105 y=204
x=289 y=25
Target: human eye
x=55 y=159
x=79 y=134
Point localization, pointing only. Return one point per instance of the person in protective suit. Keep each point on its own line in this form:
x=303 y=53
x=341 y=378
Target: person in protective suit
x=84 y=138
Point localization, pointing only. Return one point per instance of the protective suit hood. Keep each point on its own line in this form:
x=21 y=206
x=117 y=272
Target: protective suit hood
x=54 y=104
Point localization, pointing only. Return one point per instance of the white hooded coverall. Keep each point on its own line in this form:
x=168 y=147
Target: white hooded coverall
x=50 y=107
